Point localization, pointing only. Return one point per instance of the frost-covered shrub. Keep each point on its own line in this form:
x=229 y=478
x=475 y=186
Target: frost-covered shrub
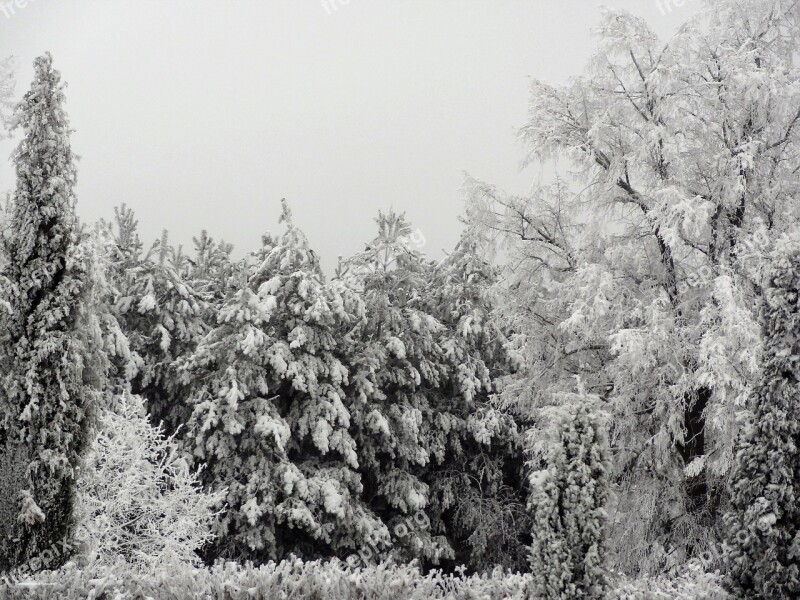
x=333 y=580
x=693 y=583
x=138 y=499
x=763 y=545
x=568 y=501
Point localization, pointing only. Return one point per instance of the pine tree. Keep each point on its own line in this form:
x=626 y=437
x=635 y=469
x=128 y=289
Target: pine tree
x=477 y=486
x=568 y=501
x=127 y=245
x=269 y=418
x=52 y=370
x=763 y=524
x=436 y=458
x=163 y=317
x=398 y=374
x=211 y=269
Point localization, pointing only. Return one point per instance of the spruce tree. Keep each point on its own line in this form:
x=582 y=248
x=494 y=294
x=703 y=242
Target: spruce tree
x=762 y=551
x=163 y=317
x=51 y=370
x=567 y=502
x=478 y=491
x=267 y=389
x=397 y=376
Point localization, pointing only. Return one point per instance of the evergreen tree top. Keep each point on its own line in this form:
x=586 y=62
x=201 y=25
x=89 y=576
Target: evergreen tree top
x=43 y=219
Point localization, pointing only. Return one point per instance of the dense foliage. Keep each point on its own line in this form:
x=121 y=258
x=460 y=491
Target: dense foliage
x=568 y=499
x=323 y=580
x=763 y=548
x=268 y=416
x=565 y=395
x=52 y=370
x=644 y=273
x=138 y=500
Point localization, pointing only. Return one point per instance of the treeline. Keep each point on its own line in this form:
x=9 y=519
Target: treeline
x=349 y=415
x=337 y=416
x=616 y=394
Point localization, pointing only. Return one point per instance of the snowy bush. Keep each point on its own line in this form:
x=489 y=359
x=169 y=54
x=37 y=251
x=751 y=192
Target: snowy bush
x=763 y=546
x=137 y=497
x=320 y=580
x=693 y=583
x=291 y=578
x=568 y=501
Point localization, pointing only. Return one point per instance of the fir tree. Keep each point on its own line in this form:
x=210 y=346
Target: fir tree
x=52 y=370
x=397 y=375
x=568 y=501
x=163 y=317
x=763 y=524
x=477 y=483
x=269 y=418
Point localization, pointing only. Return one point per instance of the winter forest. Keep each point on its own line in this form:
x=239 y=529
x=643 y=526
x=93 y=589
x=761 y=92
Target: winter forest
x=594 y=394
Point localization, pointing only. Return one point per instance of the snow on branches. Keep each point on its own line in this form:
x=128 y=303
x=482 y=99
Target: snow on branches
x=138 y=499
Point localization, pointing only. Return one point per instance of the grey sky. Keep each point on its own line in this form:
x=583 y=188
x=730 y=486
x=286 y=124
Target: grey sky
x=204 y=114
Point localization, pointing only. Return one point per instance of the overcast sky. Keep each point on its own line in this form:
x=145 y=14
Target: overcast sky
x=204 y=114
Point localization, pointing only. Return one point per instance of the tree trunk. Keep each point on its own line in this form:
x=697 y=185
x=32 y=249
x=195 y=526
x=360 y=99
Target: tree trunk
x=693 y=446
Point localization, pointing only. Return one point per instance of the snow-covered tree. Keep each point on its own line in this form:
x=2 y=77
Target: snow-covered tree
x=137 y=498
x=211 y=269
x=567 y=501
x=124 y=231
x=763 y=522
x=269 y=419
x=477 y=486
x=6 y=107
x=51 y=366
x=434 y=454
x=645 y=279
x=397 y=371
x=163 y=317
